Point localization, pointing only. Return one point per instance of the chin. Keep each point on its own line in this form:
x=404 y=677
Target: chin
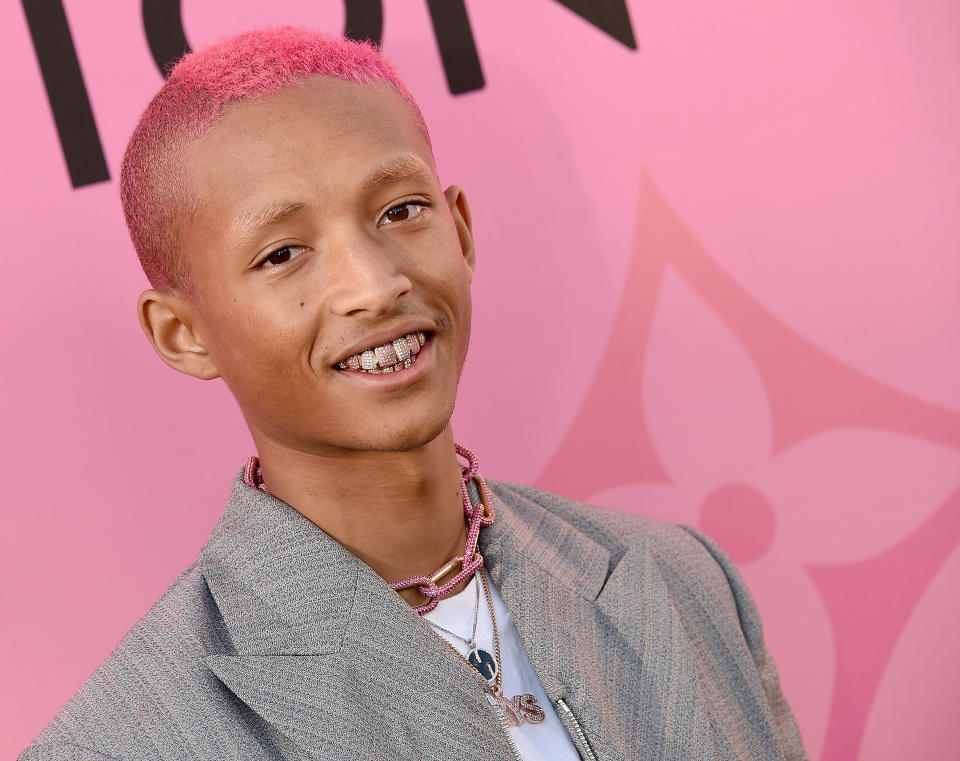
x=417 y=428
x=402 y=428
x=409 y=437
x=399 y=434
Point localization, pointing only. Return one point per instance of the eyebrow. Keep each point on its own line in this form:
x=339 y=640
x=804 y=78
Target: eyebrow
x=406 y=166
x=250 y=223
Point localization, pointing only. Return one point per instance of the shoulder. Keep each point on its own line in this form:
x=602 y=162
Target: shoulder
x=157 y=668
x=614 y=530
x=682 y=554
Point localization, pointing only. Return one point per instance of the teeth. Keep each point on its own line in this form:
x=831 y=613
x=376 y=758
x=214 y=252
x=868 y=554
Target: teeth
x=389 y=357
x=394 y=369
x=386 y=356
x=401 y=348
x=413 y=344
x=368 y=360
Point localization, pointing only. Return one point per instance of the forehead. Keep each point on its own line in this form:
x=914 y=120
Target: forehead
x=322 y=135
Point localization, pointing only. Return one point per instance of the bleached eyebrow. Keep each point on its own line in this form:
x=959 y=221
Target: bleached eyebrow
x=250 y=223
x=406 y=166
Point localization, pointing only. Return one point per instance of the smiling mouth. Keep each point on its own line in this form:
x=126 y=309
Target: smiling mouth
x=391 y=357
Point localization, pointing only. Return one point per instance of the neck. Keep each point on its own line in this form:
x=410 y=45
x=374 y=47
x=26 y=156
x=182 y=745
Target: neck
x=399 y=512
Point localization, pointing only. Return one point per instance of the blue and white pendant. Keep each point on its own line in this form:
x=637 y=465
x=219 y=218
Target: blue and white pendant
x=483 y=662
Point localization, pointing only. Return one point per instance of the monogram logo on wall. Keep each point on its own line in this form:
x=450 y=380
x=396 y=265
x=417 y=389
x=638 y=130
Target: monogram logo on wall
x=163 y=25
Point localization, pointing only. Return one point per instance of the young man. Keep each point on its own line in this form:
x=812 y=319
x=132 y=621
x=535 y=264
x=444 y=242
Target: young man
x=365 y=595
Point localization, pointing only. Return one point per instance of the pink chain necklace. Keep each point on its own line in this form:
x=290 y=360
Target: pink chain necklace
x=478 y=516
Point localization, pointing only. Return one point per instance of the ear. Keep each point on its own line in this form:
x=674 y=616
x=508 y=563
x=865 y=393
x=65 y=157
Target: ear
x=460 y=210
x=169 y=321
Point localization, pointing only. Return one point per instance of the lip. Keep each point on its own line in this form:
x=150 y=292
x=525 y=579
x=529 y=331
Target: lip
x=381 y=337
x=395 y=380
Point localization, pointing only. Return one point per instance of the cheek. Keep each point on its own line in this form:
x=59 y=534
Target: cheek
x=259 y=349
x=446 y=269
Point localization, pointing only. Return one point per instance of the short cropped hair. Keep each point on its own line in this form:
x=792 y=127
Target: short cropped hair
x=157 y=202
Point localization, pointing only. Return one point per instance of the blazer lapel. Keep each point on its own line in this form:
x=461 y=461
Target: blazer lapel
x=609 y=643
x=324 y=652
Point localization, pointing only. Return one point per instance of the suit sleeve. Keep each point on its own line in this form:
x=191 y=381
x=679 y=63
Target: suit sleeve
x=62 y=752
x=788 y=733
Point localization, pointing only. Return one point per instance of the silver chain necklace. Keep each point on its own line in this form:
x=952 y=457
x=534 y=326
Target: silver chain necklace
x=512 y=711
x=477 y=657
x=471 y=643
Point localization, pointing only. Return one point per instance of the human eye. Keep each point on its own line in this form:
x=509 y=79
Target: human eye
x=403 y=212
x=280 y=256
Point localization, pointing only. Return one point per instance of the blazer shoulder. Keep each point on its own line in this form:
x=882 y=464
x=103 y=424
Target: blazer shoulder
x=614 y=530
x=62 y=752
x=158 y=664
x=681 y=550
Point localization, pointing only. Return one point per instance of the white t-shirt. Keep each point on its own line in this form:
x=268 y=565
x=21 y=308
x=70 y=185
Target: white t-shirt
x=547 y=741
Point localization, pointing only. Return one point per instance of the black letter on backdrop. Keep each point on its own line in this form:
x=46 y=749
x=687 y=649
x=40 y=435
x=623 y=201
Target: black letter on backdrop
x=163 y=24
x=609 y=15
x=66 y=91
x=364 y=20
x=458 y=51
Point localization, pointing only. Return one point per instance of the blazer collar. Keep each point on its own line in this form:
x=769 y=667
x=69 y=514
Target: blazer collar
x=316 y=638
x=282 y=585
x=525 y=536
x=326 y=653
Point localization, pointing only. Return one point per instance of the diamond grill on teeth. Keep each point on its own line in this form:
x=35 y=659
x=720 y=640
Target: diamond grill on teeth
x=402 y=348
x=386 y=356
x=390 y=357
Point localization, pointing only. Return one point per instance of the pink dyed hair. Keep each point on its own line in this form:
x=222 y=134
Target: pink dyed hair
x=155 y=196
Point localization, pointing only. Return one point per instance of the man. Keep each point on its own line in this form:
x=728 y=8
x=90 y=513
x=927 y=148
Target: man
x=366 y=596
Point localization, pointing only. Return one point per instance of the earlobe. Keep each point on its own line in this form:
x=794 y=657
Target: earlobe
x=168 y=320
x=460 y=210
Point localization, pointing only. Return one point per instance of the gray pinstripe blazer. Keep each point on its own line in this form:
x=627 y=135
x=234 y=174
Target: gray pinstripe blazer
x=279 y=644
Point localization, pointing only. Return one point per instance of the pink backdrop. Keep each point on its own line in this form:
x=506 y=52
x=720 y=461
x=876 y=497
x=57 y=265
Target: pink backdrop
x=742 y=240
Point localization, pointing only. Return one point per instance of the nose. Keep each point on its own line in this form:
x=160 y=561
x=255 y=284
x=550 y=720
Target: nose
x=363 y=276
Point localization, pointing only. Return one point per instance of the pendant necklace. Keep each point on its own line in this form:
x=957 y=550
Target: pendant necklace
x=515 y=710
x=476 y=656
